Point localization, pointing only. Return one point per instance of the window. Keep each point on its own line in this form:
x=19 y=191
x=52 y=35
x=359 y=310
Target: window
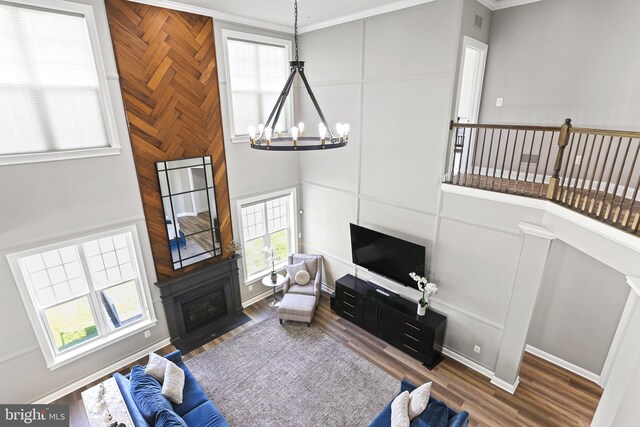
x=257 y=68
x=83 y=294
x=267 y=221
x=53 y=93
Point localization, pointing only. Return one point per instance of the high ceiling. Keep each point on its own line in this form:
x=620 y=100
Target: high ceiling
x=313 y=14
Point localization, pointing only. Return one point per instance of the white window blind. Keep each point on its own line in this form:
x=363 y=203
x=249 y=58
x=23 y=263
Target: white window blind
x=50 y=94
x=257 y=73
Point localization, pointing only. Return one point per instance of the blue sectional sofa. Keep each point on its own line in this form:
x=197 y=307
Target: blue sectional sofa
x=195 y=410
x=437 y=413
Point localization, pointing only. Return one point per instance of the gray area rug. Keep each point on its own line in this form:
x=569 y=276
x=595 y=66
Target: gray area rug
x=291 y=375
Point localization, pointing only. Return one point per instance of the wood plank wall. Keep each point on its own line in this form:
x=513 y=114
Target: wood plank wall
x=168 y=75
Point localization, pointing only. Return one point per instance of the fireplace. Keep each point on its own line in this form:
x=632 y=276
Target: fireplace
x=203 y=304
x=200 y=310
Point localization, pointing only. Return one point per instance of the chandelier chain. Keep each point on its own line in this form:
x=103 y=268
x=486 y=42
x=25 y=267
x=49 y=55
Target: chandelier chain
x=295 y=26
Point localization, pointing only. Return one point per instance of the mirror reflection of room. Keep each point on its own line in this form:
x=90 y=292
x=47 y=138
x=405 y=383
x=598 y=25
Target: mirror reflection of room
x=188 y=198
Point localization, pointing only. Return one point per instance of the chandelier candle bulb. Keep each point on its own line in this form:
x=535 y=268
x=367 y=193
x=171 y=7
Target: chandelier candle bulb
x=346 y=128
x=294 y=135
x=301 y=128
x=322 y=131
x=267 y=133
x=278 y=131
x=252 y=134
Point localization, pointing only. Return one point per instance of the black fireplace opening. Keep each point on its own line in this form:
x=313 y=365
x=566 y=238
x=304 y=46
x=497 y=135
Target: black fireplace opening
x=200 y=311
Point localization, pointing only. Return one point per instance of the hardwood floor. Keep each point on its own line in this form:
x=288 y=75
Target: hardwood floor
x=547 y=395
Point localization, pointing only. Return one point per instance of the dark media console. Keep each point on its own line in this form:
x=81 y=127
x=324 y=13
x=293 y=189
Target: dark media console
x=391 y=317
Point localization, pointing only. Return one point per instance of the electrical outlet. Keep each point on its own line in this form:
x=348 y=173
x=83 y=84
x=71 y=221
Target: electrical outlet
x=147 y=334
x=476 y=349
x=499 y=102
x=250 y=288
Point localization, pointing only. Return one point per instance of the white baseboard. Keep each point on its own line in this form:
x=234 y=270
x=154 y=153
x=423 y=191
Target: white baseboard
x=563 y=363
x=509 y=388
x=260 y=297
x=467 y=362
x=114 y=367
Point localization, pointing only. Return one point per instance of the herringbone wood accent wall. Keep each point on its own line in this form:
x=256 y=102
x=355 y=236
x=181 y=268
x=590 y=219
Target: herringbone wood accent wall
x=168 y=75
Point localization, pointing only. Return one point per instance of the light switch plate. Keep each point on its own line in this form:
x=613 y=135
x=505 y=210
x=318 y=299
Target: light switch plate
x=499 y=102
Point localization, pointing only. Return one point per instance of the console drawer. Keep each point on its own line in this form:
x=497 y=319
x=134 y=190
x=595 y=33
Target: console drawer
x=349 y=311
x=411 y=327
x=347 y=294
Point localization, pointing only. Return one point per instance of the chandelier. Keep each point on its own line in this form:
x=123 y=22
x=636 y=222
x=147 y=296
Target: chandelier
x=269 y=136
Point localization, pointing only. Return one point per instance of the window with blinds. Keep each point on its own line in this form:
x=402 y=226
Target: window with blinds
x=257 y=69
x=51 y=96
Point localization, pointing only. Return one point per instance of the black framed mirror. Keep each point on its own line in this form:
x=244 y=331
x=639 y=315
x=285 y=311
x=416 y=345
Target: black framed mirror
x=189 y=201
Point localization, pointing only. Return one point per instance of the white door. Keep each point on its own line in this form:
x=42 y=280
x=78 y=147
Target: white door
x=472 y=65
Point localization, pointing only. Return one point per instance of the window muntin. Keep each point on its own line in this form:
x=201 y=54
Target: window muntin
x=52 y=85
x=83 y=292
x=257 y=69
x=267 y=222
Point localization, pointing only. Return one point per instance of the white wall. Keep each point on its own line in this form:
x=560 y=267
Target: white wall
x=577 y=290
x=551 y=60
x=395 y=86
x=53 y=201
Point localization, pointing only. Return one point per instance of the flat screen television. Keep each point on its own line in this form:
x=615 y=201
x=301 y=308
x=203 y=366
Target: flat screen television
x=386 y=255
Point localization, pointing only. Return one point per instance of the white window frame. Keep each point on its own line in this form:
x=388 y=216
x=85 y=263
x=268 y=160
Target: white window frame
x=55 y=358
x=241 y=135
x=108 y=114
x=293 y=224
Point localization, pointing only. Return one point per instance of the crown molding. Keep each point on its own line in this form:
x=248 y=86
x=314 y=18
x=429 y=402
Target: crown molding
x=497 y=5
x=367 y=13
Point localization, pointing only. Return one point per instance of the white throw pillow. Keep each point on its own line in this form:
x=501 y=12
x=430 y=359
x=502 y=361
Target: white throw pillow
x=173 y=385
x=293 y=269
x=156 y=366
x=400 y=410
x=418 y=400
x=302 y=277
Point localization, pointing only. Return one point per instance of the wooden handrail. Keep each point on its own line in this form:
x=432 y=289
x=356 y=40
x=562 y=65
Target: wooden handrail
x=504 y=127
x=605 y=132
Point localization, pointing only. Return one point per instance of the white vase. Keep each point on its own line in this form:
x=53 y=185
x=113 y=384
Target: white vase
x=422 y=309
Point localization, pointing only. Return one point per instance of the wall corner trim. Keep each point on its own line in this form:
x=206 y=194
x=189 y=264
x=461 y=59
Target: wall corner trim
x=536 y=230
x=634 y=283
x=509 y=388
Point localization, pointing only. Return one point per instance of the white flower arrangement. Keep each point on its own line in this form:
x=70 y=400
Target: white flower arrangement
x=427 y=288
x=272 y=257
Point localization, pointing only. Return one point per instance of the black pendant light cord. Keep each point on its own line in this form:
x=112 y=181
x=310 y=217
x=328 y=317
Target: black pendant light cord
x=295 y=27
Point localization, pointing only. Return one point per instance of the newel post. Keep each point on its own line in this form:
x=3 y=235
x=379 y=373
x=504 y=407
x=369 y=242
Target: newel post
x=563 y=140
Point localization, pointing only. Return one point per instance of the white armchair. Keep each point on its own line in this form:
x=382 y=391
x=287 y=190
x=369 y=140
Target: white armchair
x=313 y=265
